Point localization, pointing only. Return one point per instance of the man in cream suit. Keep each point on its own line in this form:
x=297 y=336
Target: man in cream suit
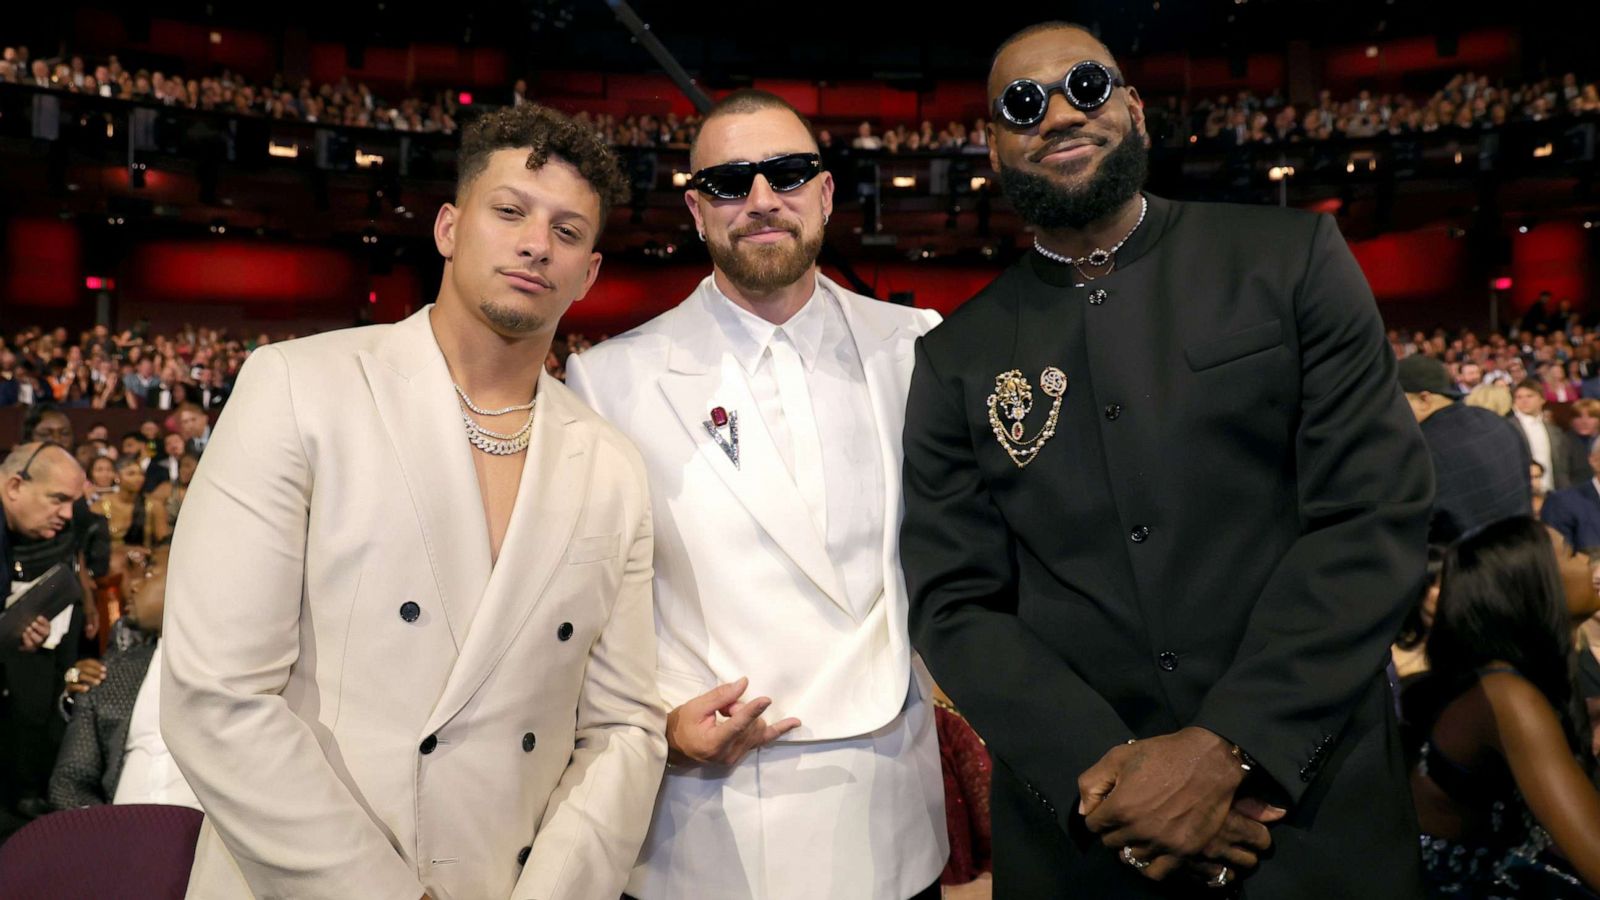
x=768 y=408
x=409 y=648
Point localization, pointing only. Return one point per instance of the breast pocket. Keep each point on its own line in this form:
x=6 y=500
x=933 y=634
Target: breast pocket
x=593 y=549
x=1235 y=346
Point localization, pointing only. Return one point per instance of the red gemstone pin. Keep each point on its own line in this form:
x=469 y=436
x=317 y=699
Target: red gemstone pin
x=719 y=416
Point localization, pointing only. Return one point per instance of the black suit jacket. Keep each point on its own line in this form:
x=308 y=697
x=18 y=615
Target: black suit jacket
x=90 y=762
x=1225 y=530
x=1575 y=512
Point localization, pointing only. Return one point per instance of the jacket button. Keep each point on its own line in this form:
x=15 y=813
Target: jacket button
x=428 y=743
x=410 y=611
x=1168 y=661
x=1139 y=534
x=522 y=855
x=565 y=631
x=1113 y=410
x=528 y=742
x=1097 y=296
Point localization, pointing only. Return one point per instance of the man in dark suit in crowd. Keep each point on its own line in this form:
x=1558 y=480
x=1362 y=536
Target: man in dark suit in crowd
x=1480 y=461
x=39 y=485
x=114 y=728
x=1077 y=585
x=1547 y=442
x=1575 y=511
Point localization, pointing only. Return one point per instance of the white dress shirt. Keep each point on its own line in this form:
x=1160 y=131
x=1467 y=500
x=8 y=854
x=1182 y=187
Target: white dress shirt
x=1539 y=447
x=149 y=774
x=807 y=379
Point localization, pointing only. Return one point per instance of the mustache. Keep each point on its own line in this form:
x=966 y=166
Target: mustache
x=1064 y=142
x=764 y=225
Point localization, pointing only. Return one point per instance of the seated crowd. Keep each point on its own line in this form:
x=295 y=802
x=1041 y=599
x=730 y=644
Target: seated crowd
x=1467 y=101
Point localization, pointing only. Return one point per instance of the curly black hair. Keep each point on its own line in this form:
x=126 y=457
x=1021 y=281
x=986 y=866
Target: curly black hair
x=546 y=133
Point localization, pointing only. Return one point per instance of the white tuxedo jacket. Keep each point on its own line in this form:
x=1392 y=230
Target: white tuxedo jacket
x=744 y=587
x=348 y=731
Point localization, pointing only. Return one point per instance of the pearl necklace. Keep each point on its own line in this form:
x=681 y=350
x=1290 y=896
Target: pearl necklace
x=1098 y=258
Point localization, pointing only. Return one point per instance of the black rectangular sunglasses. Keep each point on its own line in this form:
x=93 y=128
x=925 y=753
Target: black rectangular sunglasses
x=733 y=181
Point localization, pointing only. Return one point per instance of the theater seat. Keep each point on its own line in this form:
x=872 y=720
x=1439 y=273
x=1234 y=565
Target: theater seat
x=137 y=850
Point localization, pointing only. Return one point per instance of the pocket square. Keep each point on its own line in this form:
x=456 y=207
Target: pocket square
x=593 y=549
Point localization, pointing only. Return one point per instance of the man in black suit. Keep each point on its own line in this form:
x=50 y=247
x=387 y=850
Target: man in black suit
x=1076 y=584
x=109 y=726
x=1575 y=511
x=1480 y=460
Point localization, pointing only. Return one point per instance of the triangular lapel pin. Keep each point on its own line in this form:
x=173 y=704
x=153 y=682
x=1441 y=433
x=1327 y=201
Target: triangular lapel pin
x=720 y=419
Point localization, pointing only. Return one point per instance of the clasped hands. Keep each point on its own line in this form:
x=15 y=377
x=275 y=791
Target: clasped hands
x=1171 y=802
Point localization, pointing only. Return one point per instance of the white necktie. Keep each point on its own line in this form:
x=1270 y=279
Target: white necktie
x=802 y=422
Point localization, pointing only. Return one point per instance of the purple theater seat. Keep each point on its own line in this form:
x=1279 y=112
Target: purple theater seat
x=138 y=850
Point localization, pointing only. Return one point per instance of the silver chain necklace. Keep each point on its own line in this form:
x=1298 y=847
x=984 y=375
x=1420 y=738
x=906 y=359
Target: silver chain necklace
x=1098 y=258
x=495 y=443
x=489 y=412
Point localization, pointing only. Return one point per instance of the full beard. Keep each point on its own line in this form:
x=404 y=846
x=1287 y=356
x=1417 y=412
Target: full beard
x=763 y=268
x=1046 y=204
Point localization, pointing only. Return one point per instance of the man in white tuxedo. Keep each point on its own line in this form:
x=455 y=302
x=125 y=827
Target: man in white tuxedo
x=408 y=642
x=768 y=407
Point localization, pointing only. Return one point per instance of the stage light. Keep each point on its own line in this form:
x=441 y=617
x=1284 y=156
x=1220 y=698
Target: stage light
x=1542 y=152
x=283 y=151
x=1588 y=223
x=979 y=182
x=1522 y=229
x=1501 y=284
x=368 y=160
x=1279 y=173
x=680 y=179
x=464 y=98
x=401 y=210
x=111 y=130
x=216 y=37
x=94 y=283
x=904 y=181
x=1372 y=51
x=1458 y=157
x=372 y=296
x=136 y=175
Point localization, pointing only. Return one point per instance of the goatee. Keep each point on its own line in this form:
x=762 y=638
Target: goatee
x=1047 y=204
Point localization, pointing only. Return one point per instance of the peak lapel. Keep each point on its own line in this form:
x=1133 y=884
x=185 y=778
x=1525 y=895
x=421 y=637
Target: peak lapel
x=411 y=387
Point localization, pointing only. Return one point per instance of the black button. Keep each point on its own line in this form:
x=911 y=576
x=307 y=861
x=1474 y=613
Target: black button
x=1097 y=296
x=522 y=855
x=1113 y=410
x=528 y=741
x=1139 y=534
x=428 y=743
x=410 y=611
x=565 y=631
x=1168 y=661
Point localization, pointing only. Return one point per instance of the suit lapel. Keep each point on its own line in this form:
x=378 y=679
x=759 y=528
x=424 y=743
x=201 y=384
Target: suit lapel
x=884 y=363
x=411 y=387
x=555 y=482
x=702 y=375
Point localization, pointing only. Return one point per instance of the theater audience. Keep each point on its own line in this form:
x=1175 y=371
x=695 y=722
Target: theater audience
x=1502 y=779
x=138 y=523
x=1547 y=442
x=1584 y=426
x=1536 y=475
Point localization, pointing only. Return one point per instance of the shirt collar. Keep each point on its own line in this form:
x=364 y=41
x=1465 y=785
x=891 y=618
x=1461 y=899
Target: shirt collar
x=750 y=335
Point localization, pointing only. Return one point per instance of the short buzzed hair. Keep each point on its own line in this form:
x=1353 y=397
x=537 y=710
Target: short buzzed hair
x=743 y=102
x=545 y=133
x=1040 y=28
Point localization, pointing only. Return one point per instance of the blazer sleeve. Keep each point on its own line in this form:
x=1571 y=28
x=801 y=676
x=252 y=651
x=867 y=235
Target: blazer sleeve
x=80 y=765
x=231 y=634
x=601 y=808
x=1319 y=631
x=1038 y=715
x=1560 y=513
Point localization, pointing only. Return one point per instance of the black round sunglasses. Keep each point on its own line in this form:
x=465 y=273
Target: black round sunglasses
x=1087 y=86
